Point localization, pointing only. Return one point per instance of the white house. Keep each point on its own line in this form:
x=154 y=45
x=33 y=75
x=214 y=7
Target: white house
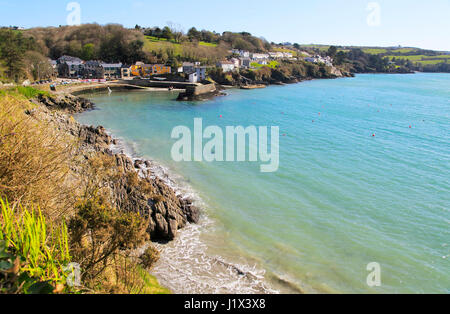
x=227 y=66
x=193 y=77
x=236 y=61
x=241 y=53
x=259 y=56
x=276 y=55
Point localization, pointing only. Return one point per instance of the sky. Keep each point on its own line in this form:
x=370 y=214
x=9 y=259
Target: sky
x=409 y=23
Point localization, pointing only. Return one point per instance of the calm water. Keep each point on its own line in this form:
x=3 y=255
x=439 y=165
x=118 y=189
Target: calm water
x=341 y=199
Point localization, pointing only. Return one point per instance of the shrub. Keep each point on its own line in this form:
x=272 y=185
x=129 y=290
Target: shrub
x=149 y=257
x=98 y=233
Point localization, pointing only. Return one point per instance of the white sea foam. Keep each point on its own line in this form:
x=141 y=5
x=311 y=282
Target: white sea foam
x=185 y=265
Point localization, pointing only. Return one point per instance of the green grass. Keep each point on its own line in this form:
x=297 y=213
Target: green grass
x=402 y=50
x=374 y=51
x=294 y=53
x=44 y=249
x=24 y=91
x=151 y=283
x=272 y=64
x=423 y=59
x=202 y=43
x=157 y=44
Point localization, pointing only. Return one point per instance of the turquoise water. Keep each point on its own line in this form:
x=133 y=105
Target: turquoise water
x=341 y=199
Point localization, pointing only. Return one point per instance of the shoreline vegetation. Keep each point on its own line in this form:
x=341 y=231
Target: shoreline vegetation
x=107 y=205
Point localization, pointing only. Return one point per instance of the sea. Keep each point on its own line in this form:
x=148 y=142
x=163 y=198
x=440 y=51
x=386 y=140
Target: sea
x=360 y=202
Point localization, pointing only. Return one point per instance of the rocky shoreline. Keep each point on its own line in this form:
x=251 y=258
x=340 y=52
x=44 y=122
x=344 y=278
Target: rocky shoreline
x=165 y=211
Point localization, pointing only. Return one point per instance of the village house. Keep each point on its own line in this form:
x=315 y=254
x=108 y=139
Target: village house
x=112 y=70
x=198 y=74
x=328 y=61
x=236 y=62
x=276 y=55
x=227 y=66
x=159 y=69
x=245 y=62
x=259 y=56
x=143 y=70
x=241 y=53
x=92 y=70
x=188 y=67
x=125 y=72
x=70 y=67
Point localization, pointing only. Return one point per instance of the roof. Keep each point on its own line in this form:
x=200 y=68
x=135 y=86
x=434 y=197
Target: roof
x=69 y=58
x=111 y=65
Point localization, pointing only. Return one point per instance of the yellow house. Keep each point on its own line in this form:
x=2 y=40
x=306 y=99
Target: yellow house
x=161 y=69
x=141 y=69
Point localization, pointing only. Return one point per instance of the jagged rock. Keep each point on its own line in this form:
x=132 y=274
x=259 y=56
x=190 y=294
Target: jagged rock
x=165 y=211
x=69 y=103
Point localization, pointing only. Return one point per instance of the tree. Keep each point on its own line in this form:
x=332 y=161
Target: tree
x=38 y=65
x=194 y=34
x=12 y=48
x=167 y=33
x=88 y=52
x=332 y=51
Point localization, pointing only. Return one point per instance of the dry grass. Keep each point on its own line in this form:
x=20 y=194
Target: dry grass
x=34 y=159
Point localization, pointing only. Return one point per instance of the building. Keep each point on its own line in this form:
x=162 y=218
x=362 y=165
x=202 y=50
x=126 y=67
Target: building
x=159 y=69
x=259 y=56
x=70 y=69
x=198 y=74
x=276 y=55
x=328 y=61
x=188 y=67
x=201 y=72
x=141 y=69
x=245 y=62
x=112 y=70
x=237 y=62
x=92 y=70
x=125 y=72
x=241 y=53
x=193 y=77
x=227 y=66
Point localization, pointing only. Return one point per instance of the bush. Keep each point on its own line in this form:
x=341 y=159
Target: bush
x=98 y=233
x=149 y=257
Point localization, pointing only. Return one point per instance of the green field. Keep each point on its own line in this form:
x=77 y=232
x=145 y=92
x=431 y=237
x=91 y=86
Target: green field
x=294 y=53
x=272 y=64
x=202 y=43
x=374 y=51
x=157 y=44
x=423 y=59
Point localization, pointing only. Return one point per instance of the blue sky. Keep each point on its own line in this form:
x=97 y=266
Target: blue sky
x=418 y=23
